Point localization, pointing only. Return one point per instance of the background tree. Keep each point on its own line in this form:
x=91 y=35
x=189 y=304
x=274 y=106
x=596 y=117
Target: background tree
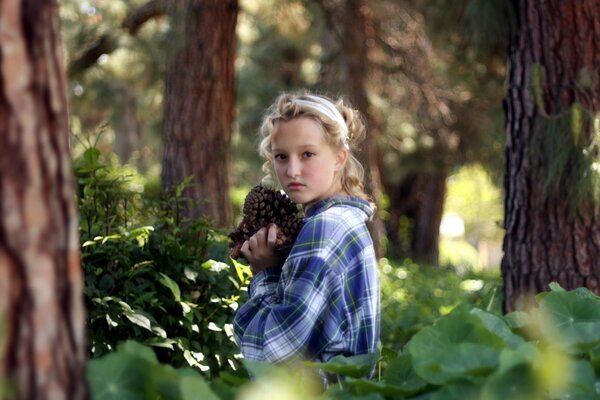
x=552 y=180
x=352 y=23
x=440 y=88
x=199 y=105
x=42 y=344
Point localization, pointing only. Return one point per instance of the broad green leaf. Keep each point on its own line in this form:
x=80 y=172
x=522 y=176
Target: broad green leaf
x=215 y=266
x=171 y=285
x=516 y=383
x=139 y=319
x=365 y=386
x=137 y=349
x=458 y=345
x=498 y=326
x=119 y=375
x=575 y=316
x=581 y=383
x=354 y=366
x=336 y=393
x=400 y=373
x=457 y=390
x=518 y=319
x=194 y=387
x=259 y=369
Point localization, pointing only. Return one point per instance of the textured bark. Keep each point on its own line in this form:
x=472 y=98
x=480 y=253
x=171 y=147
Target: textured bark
x=545 y=239
x=419 y=198
x=42 y=342
x=428 y=216
x=357 y=32
x=199 y=107
x=127 y=125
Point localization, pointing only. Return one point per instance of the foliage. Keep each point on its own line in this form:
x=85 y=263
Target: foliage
x=413 y=296
x=478 y=200
x=133 y=372
x=551 y=351
x=154 y=276
x=567 y=147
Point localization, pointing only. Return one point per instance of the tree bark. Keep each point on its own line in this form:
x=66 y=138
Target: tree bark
x=42 y=340
x=355 y=37
x=199 y=107
x=420 y=199
x=546 y=238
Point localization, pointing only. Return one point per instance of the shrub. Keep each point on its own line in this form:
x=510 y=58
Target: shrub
x=151 y=275
x=549 y=352
x=413 y=296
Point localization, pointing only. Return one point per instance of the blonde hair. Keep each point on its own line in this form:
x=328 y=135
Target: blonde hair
x=343 y=127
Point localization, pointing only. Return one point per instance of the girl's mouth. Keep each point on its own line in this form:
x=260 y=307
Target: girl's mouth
x=295 y=185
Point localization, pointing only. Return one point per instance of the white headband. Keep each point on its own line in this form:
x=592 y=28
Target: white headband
x=326 y=107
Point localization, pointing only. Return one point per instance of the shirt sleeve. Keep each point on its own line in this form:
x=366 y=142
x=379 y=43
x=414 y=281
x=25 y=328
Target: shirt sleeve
x=277 y=329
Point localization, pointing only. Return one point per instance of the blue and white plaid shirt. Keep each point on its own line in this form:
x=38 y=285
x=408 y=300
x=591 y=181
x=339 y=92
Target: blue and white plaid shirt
x=325 y=300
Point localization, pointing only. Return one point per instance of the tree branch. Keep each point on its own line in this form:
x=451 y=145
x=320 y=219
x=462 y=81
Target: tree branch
x=109 y=42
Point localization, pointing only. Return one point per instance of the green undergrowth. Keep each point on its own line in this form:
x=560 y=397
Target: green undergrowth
x=151 y=274
x=551 y=351
x=413 y=296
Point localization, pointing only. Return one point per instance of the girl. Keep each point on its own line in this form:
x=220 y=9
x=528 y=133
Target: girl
x=323 y=300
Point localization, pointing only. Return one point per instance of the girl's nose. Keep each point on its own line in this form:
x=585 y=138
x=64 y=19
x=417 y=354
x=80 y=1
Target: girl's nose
x=293 y=168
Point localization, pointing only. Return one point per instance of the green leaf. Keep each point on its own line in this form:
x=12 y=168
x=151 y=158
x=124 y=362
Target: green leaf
x=400 y=373
x=259 y=369
x=139 y=350
x=119 y=375
x=171 y=285
x=354 y=366
x=498 y=326
x=456 y=390
x=581 y=383
x=139 y=319
x=516 y=383
x=193 y=387
x=365 y=386
x=575 y=316
x=91 y=157
x=458 y=345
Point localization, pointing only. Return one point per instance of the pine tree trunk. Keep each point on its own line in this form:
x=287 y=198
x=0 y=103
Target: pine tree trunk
x=419 y=199
x=199 y=106
x=354 y=46
x=428 y=216
x=546 y=240
x=42 y=318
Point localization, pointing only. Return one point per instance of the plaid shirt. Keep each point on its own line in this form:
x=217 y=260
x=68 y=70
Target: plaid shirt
x=325 y=300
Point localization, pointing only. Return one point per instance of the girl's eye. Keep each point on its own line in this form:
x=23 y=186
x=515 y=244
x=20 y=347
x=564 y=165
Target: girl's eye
x=307 y=154
x=279 y=157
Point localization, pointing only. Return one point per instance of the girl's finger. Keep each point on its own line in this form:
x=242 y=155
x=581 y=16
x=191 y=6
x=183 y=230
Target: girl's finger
x=272 y=235
x=245 y=249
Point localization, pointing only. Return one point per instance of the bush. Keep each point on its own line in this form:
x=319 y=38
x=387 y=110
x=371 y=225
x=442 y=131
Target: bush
x=413 y=296
x=549 y=352
x=151 y=275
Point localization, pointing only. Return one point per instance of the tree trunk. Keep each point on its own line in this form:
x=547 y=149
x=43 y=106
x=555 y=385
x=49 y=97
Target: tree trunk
x=127 y=125
x=428 y=216
x=199 y=107
x=419 y=199
x=546 y=238
x=42 y=318
x=354 y=46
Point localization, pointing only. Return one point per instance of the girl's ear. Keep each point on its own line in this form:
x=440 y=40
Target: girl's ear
x=341 y=158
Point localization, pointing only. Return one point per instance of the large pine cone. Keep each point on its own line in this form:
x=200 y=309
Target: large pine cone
x=264 y=206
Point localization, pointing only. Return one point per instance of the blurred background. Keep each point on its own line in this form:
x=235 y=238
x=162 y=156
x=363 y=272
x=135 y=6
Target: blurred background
x=428 y=77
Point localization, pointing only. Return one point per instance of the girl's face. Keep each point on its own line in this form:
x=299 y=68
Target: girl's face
x=307 y=167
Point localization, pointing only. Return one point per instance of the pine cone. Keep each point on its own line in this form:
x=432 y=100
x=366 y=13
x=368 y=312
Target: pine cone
x=264 y=206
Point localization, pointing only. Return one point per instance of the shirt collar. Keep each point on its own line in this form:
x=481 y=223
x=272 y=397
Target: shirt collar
x=325 y=204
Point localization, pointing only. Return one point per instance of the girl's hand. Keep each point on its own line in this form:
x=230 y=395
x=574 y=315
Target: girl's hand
x=259 y=250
